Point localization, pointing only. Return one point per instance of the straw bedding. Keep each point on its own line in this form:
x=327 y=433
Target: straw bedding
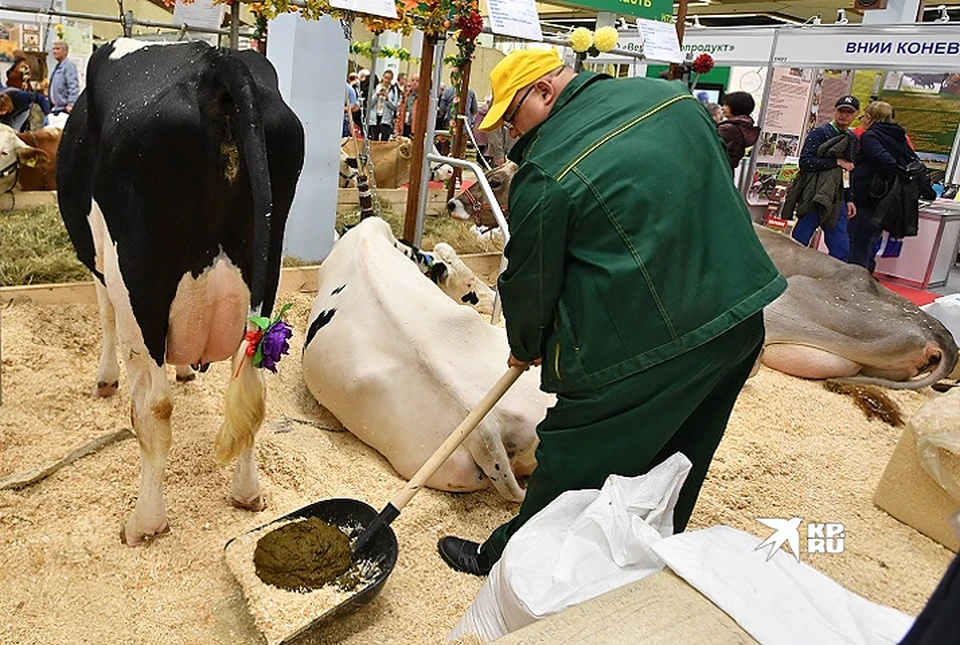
x=791 y=449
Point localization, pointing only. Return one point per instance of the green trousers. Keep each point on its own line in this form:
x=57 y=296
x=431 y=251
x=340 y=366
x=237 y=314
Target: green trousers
x=681 y=405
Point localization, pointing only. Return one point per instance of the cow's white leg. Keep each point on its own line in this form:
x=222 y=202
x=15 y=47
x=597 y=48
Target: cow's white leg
x=108 y=372
x=150 y=410
x=244 y=411
x=185 y=373
x=488 y=452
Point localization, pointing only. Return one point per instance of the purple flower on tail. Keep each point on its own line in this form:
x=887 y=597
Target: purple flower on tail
x=274 y=344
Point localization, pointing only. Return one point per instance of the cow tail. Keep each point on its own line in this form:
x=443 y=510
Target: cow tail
x=247 y=126
x=245 y=400
x=942 y=370
x=245 y=408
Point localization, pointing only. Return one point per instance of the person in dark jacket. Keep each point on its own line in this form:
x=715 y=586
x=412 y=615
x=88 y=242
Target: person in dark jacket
x=883 y=149
x=835 y=231
x=15 y=106
x=737 y=129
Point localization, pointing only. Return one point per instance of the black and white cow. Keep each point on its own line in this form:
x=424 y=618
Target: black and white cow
x=176 y=173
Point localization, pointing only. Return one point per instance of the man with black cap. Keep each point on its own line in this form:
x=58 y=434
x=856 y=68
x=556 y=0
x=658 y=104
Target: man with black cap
x=635 y=279
x=833 y=221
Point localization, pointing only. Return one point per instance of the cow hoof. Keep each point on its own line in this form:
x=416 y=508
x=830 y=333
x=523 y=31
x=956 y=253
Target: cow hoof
x=104 y=389
x=256 y=504
x=136 y=539
x=186 y=378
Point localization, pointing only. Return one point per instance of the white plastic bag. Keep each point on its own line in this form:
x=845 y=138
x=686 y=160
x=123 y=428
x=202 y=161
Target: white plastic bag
x=780 y=602
x=583 y=544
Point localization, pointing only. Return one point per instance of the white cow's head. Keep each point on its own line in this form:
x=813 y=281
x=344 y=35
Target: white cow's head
x=14 y=152
x=462 y=284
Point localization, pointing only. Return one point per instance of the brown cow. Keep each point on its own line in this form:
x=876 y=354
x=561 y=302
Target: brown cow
x=43 y=175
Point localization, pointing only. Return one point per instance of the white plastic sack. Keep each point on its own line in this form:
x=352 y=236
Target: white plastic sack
x=581 y=545
x=781 y=601
x=57 y=120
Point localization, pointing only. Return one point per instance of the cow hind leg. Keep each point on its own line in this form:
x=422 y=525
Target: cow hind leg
x=245 y=406
x=150 y=411
x=185 y=374
x=490 y=455
x=108 y=372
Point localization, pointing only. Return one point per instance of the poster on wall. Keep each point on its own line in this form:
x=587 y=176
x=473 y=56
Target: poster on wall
x=780 y=131
x=830 y=86
x=30 y=38
x=930 y=119
x=786 y=115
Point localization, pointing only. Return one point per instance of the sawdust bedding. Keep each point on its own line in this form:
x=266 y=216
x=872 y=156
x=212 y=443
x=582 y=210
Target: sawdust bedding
x=791 y=449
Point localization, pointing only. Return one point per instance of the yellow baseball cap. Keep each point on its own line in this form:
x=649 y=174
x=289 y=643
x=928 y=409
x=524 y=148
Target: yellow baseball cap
x=517 y=70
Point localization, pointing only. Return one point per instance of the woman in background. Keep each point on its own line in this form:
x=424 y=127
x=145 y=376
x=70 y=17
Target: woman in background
x=883 y=149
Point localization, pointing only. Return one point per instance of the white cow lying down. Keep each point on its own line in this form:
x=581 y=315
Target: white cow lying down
x=401 y=364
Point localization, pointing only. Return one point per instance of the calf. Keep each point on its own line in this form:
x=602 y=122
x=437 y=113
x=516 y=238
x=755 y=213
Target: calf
x=15 y=157
x=400 y=365
x=177 y=169
x=472 y=203
x=43 y=175
x=445 y=268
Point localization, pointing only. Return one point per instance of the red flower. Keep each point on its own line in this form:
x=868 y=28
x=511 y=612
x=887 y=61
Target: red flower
x=703 y=64
x=470 y=25
x=253 y=339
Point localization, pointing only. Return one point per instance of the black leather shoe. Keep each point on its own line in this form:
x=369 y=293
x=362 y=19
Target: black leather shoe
x=464 y=556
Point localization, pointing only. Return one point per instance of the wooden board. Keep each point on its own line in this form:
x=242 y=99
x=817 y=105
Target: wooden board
x=22 y=201
x=293 y=279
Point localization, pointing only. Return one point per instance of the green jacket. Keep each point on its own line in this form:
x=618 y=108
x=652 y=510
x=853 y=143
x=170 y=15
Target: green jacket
x=629 y=243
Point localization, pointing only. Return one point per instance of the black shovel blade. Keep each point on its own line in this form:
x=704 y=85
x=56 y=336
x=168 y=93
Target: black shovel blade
x=351 y=516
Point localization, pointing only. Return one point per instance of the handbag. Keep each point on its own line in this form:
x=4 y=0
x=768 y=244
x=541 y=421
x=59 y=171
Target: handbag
x=916 y=172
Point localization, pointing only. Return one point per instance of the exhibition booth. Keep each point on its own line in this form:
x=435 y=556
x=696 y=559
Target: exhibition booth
x=796 y=73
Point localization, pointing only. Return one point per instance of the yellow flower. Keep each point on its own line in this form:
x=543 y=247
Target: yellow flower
x=580 y=39
x=605 y=38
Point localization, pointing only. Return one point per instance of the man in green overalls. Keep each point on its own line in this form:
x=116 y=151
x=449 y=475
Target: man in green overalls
x=635 y=279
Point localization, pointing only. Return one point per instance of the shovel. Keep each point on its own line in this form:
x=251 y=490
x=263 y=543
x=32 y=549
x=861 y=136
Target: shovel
x=392 y=509
x=377 y=542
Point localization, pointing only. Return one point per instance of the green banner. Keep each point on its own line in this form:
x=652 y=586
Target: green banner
x=661 y=10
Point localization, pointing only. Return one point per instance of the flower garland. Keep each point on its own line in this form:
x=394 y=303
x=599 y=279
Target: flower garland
x=268 y=342
x=469 y=27
x=259 y=22
x=587 y=43
x=366 y=49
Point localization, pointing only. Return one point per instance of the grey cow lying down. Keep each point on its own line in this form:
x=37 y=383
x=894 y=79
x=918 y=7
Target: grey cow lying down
x=833 y=321
x=400 y=363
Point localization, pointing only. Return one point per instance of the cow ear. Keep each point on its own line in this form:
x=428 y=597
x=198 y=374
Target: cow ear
x=30 y=156
x=438 y=272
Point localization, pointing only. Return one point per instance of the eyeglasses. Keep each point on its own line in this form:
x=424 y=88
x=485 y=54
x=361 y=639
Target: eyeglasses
x=508 y=120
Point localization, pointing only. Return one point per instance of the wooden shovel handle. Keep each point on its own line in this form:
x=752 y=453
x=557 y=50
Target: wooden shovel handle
x=456 y=437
